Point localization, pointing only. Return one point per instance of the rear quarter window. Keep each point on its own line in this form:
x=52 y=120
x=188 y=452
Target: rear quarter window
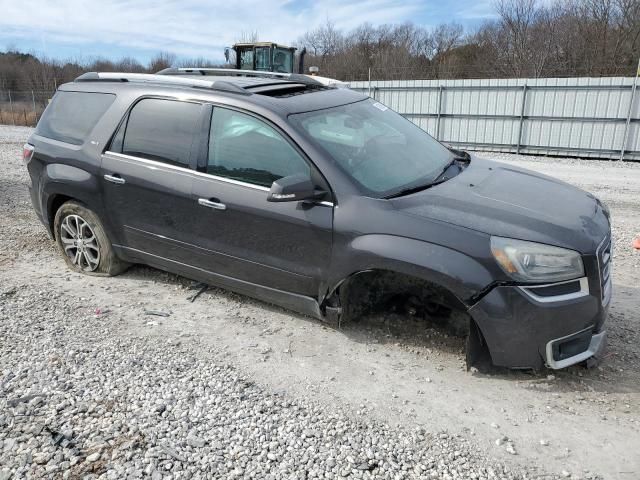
x=71 y=116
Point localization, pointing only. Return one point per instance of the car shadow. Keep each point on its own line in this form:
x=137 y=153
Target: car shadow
x=617 y=371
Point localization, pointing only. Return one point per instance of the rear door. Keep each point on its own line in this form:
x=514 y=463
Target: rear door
x=147 y=176
x=280 y=245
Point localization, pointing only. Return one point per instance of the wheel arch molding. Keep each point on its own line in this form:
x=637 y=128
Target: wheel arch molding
x=65 y=182
x=462 y=275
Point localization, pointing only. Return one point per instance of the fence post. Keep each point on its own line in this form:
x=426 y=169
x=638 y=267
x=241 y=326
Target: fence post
x=13 y=120
x=33 y=102
x=440 y=88
x=369 y=81
x=522 y=107
x=629 y=112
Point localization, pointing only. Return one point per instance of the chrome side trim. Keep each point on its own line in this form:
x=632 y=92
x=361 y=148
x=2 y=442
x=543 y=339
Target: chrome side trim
x=583 y=292
x=598 y=341
x=156 y=164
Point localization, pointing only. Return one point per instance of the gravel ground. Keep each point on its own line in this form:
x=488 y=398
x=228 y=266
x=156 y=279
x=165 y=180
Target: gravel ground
x=223 y=387
x=81 y=399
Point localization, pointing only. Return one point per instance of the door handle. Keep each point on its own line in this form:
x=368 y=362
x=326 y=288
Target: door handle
x=211 y=204
x=115 y=179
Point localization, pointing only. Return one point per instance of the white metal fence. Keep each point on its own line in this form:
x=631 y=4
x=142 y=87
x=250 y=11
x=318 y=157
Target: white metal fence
x=581 y=117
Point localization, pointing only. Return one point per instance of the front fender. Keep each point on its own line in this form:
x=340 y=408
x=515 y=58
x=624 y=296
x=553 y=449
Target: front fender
x=461 y=274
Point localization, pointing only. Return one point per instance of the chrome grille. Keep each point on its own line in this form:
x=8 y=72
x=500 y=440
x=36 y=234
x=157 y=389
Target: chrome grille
x=605 y=252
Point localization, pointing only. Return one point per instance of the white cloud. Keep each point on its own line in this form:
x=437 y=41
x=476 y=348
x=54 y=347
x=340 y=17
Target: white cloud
x=189 y=27
x=479 y=10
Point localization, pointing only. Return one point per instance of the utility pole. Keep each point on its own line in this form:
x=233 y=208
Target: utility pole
x=630 y=111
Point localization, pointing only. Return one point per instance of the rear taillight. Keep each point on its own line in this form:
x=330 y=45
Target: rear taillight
x=27 y=153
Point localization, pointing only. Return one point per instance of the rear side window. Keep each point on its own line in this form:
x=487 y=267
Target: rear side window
x=161 y=130
x=71 y=116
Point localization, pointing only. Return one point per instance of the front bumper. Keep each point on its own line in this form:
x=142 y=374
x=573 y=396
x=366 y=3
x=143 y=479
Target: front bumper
x=525 y=330
x=569 y=350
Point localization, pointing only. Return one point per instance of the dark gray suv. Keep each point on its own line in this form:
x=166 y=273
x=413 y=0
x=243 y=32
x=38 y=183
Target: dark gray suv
x=323 y=201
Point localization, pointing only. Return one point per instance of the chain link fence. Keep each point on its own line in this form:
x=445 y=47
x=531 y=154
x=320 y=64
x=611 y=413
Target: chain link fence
x=23 y=107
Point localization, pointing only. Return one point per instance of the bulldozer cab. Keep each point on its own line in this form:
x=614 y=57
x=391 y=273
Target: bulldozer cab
x=264 y=56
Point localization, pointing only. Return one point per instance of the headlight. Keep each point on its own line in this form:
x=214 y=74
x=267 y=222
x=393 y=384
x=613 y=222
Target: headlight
x=536 y=262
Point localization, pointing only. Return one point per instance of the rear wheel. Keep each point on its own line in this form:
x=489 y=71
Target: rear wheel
x=83 y=243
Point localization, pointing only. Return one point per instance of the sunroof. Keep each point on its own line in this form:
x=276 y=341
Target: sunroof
x=285 y=89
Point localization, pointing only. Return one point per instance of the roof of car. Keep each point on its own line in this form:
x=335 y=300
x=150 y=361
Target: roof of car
x=287 y=93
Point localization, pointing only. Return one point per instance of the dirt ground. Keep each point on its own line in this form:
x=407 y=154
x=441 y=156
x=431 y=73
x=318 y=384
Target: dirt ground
x=390 y=368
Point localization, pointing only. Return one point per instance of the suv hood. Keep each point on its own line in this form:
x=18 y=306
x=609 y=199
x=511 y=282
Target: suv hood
x=499 y=199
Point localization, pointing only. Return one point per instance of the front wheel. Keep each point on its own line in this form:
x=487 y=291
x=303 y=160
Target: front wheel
x=83 y=243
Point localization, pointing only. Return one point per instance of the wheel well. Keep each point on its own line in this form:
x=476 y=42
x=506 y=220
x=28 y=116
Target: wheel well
x=54 y=205
x=376 y=291
x=373 y=291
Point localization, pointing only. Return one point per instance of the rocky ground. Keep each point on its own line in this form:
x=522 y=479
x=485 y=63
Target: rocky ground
x=126 y=377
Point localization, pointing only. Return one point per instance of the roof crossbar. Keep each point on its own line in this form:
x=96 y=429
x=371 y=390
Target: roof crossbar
x=161 y=79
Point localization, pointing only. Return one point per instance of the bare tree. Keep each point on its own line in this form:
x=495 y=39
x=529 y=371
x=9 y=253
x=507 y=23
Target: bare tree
x=529 y=38
x=443 y=40
x=199 y=62
x=525 y=38
x=129 y=64
x=323 y=42
x=248 y=37
x=161 y=61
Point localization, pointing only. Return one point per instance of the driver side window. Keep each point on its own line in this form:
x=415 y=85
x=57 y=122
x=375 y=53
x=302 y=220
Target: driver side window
x=243 y=148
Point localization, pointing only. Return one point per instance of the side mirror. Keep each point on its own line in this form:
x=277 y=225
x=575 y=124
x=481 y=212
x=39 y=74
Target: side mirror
x=293 y=188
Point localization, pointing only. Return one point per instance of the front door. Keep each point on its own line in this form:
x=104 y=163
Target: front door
x=285 y=245
x=147 y=178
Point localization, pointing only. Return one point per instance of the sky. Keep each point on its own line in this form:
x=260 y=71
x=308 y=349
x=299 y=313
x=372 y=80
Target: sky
x=85 y=29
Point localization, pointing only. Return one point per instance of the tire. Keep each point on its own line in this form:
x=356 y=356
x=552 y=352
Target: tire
x=89 y=252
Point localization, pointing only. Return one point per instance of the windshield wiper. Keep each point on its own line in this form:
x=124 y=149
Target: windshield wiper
x=444 y=169
x=437 y=180
x=418 y=188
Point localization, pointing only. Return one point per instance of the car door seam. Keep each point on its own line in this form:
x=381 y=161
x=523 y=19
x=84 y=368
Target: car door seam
x=197 y=247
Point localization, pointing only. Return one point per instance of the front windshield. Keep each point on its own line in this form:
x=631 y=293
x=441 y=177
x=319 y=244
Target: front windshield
x=379 y=149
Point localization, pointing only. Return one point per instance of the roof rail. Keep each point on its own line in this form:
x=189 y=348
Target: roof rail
x=153 y=78
x=292 y=77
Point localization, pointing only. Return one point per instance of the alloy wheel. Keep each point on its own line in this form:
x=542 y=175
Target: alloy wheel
x=79 y=243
